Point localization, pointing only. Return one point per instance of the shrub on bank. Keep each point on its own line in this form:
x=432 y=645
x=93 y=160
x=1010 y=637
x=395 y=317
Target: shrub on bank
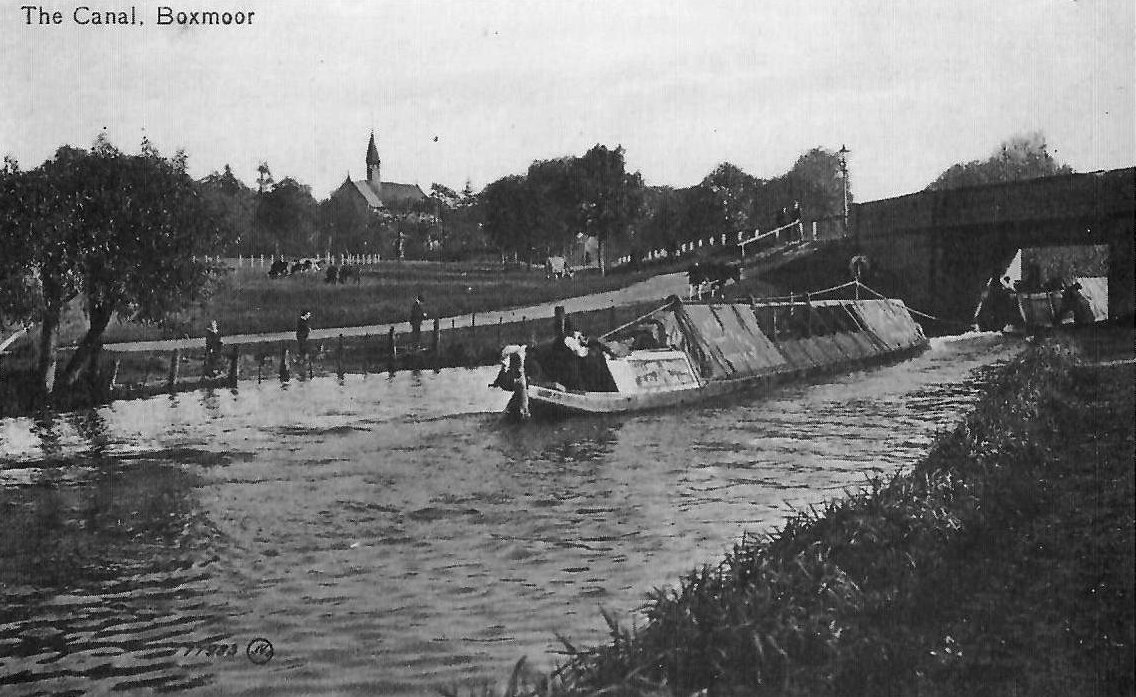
x=967 y=575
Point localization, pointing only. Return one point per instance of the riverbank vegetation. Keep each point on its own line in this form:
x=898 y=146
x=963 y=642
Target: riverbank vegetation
x=1002 y=564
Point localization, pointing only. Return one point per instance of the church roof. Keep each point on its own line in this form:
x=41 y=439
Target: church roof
x=391 y=192
x=368 y=194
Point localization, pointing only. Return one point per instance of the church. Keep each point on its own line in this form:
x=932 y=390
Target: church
x=379 y=195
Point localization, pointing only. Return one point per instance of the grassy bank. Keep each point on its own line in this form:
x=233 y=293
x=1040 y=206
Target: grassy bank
x=1002 y=564
x=247 y=301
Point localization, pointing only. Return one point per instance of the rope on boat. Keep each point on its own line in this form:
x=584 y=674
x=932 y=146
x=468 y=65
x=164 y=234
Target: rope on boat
x=914 y=311
x=811 y=295
x=637 y=319
x=795 y=296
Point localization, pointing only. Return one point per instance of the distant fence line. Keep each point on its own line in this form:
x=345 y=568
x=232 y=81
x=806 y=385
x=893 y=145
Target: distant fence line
x=796 y=231
x=262 y=260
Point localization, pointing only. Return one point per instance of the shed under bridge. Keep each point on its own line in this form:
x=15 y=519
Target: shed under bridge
x=938 y=249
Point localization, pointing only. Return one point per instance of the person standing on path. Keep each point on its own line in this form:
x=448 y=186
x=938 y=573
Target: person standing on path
x=303 y=329
x=212 y=348
x=417 y=315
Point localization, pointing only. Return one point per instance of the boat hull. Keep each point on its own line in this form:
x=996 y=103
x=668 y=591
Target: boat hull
x=550 y=402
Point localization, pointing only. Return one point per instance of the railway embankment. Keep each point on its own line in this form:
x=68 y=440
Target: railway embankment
x=1000 y=564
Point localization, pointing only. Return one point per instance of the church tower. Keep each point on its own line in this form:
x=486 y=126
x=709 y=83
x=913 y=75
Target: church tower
x=373 y=164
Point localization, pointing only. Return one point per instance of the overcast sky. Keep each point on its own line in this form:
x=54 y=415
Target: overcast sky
x=478 y=89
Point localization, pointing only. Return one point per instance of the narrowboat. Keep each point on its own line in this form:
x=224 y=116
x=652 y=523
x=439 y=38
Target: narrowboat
x=685 y=352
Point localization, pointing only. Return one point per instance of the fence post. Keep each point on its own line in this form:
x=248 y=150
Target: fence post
x=391 y=350
x=500 y=323
x=808 y=316
x=339 y=357
x=560 y=320
x=234 y=368
x=436 y=339
x=175 y=366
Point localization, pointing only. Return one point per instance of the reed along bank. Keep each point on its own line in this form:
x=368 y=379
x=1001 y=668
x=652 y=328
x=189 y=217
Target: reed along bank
x=1001 y=564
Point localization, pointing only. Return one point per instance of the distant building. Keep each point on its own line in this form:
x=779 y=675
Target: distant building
x=379 y=195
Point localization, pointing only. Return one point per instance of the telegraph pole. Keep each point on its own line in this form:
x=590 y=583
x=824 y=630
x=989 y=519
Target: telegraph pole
x=844 y=175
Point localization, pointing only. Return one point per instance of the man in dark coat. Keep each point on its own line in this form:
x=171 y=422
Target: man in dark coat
x=303 y=329
x=417 y=315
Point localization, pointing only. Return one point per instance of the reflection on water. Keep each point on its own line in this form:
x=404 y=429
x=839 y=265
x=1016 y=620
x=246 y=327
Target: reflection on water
x=390 y=533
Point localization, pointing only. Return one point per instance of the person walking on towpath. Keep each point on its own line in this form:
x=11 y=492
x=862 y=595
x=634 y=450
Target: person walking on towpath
x=303 y=329
x=417 y=315
x=212 y=348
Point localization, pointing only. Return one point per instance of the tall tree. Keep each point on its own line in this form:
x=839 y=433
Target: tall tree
x=734 y=192
x=237 y=206
x=288 y=214
x=444 y=195
x=264 y=180
x=511 y=214
x=1023 y=156
x=551 y=184
x=348 y=224
x=119 y=231
x=609 y=199
x=38 y=277
x=662 y=211
x=457 y=228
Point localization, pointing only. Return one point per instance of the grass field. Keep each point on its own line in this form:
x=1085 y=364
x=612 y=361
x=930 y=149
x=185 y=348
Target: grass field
x=247 y=301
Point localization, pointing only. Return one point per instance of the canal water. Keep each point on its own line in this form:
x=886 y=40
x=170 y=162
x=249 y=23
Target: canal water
x=391 y=534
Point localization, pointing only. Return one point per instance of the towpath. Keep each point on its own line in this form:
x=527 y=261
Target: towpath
x=654 y=288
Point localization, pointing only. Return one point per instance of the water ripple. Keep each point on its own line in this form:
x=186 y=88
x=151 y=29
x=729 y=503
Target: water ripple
x=391 y=534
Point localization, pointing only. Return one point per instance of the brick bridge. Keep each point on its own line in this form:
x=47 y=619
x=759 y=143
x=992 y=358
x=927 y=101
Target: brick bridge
x=937 y=249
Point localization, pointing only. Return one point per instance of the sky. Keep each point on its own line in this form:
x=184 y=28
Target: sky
x=478 y=89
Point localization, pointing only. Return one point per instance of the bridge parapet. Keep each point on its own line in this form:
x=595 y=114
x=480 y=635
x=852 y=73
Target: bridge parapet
x=1094 y=196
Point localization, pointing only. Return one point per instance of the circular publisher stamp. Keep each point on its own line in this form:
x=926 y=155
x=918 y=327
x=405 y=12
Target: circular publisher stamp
x=260 y=651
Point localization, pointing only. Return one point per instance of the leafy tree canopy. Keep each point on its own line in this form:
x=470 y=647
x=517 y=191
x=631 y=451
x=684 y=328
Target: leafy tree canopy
x=1024 y=156
x=119 y=231
x=288 y=214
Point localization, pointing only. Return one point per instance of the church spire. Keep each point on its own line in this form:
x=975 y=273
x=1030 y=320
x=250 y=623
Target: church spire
x=373 y=162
